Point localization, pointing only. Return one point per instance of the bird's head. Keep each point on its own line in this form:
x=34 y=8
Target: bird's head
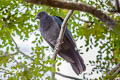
x=40 y=15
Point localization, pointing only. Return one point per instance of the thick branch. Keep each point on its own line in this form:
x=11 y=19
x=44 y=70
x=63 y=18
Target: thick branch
x=77 y=6
x=60 y=40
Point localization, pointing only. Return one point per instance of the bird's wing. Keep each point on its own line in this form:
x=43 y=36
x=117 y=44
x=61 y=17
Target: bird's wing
x=67 y=34
x=73 y=55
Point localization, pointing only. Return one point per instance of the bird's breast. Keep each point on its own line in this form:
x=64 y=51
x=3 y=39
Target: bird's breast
x=51 y=34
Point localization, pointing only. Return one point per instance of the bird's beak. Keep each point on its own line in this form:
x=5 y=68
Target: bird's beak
x=37 y=17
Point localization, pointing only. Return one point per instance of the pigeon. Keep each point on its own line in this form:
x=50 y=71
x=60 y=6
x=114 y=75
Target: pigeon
x=50 y=28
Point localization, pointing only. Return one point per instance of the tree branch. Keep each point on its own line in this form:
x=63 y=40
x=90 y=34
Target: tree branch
x=67 y=76
x=23 y=66
x=90 y=22
x=77 y=6
x=114 y=69
x=117 y=5
x=5 y=71
x=84 y=20
x=60 y=40
x=8 y=55
x=17 y=48
x=57 y=49
x=113 y=73
x=116 y=8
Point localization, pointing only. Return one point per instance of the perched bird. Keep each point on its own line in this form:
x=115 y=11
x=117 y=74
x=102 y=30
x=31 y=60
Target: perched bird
x=50 y=27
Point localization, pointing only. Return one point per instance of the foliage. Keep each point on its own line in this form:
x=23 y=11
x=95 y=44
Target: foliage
x=17 y=19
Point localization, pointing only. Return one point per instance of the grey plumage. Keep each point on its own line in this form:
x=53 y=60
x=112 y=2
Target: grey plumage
x=50 y=28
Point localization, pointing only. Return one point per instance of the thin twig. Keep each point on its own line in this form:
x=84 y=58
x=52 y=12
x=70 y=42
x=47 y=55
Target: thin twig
x=90 y=22
x=23 y=66
x=84 y=20
x=114 y=69
x=11 y=37
x=68 y=76
x=8 y=55
x=114 y=75
x=60 y=39
x=25 y=55
x=5 y=71
x=114 y=72
x=17 y=48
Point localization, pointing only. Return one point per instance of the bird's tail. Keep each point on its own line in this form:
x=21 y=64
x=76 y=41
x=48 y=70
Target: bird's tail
x=78 y=65
x=75 y=60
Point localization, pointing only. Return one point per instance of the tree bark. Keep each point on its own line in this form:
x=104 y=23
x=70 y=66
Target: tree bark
x=77 y=6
